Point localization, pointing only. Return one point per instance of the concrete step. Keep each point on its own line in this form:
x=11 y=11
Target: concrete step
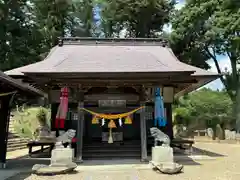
x=17 y=143
x=9 y=149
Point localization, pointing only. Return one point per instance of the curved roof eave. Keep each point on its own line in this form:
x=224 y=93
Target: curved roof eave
x=23 y=87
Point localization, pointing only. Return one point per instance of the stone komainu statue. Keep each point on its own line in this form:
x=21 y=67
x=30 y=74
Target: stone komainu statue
x=66 y=137
x=159 y=136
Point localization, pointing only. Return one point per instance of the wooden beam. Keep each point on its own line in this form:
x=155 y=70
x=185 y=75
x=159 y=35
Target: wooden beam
x=124 y=81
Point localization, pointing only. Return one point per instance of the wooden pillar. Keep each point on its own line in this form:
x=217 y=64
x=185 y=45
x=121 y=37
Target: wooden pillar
x=4 y=123
x=80 y=126
x=169 y=127
x=143 y=134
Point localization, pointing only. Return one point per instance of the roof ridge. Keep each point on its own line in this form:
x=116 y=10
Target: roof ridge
x=101 y=41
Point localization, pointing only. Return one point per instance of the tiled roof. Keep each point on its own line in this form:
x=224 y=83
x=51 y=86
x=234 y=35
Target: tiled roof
x=109 y=57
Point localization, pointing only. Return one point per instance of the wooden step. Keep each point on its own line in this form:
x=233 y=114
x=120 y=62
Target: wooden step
x=112 y=156
x=109 y=146
x=117 y=150
x=136 y=150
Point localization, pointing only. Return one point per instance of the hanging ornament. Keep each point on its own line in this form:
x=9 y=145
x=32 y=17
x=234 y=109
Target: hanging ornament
x=128 y=120
x=95 y=120
x=103 y=121
x=120 y=122
x=111 y=124
x=110 y=138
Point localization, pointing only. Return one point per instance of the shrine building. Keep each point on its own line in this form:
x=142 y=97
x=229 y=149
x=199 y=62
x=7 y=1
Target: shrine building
x=112 y=76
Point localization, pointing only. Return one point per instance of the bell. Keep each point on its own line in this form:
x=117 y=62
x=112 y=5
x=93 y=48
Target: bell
x=95 y=120
x=128 y=120
x=111 y=124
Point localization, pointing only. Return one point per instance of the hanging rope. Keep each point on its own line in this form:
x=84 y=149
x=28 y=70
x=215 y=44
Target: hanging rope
x=112 y=116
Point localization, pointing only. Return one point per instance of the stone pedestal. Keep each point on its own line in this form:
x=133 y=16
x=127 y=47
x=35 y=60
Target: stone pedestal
x=162 y=154
x=61 y=162
x=62 y=157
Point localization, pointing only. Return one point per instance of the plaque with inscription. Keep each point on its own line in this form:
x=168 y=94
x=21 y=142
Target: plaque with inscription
x=112 y=103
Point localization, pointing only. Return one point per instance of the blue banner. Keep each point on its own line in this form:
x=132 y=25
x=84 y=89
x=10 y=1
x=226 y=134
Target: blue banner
x=159 y=115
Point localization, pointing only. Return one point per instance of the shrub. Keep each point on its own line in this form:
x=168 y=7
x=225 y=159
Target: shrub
x=25 y=122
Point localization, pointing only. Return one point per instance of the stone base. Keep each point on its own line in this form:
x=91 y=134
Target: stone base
x=162 y=154
x=62 y=156
x=167 y=168
x=61 y=162
x=53 y=170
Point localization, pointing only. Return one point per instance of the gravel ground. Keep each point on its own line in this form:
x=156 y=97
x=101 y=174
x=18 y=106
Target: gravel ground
x=225 y=167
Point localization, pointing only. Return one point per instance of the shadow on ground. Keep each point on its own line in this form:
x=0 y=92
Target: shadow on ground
x=20 y=176
x=25 y=163
x=199 y=151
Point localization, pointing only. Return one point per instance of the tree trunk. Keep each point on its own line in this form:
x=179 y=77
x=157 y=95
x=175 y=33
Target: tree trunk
x=237 y=107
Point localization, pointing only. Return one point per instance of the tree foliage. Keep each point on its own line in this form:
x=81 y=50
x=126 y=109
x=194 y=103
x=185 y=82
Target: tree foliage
x=205 y=29
x=139 y=18
x=205 y=108
x=18 y=38
x=29 y=28
x=26 y=121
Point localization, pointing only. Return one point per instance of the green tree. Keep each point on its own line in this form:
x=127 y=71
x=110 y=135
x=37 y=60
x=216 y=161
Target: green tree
x=19 y=44
x=51 y=19
x=140 y=18
x=83 y=18
x=29 y=28
x=205 y=108
x=204 y=29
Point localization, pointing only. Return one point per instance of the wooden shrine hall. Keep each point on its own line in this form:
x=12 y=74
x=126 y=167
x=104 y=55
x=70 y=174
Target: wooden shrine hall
x=10 y=90
x=112 y=77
